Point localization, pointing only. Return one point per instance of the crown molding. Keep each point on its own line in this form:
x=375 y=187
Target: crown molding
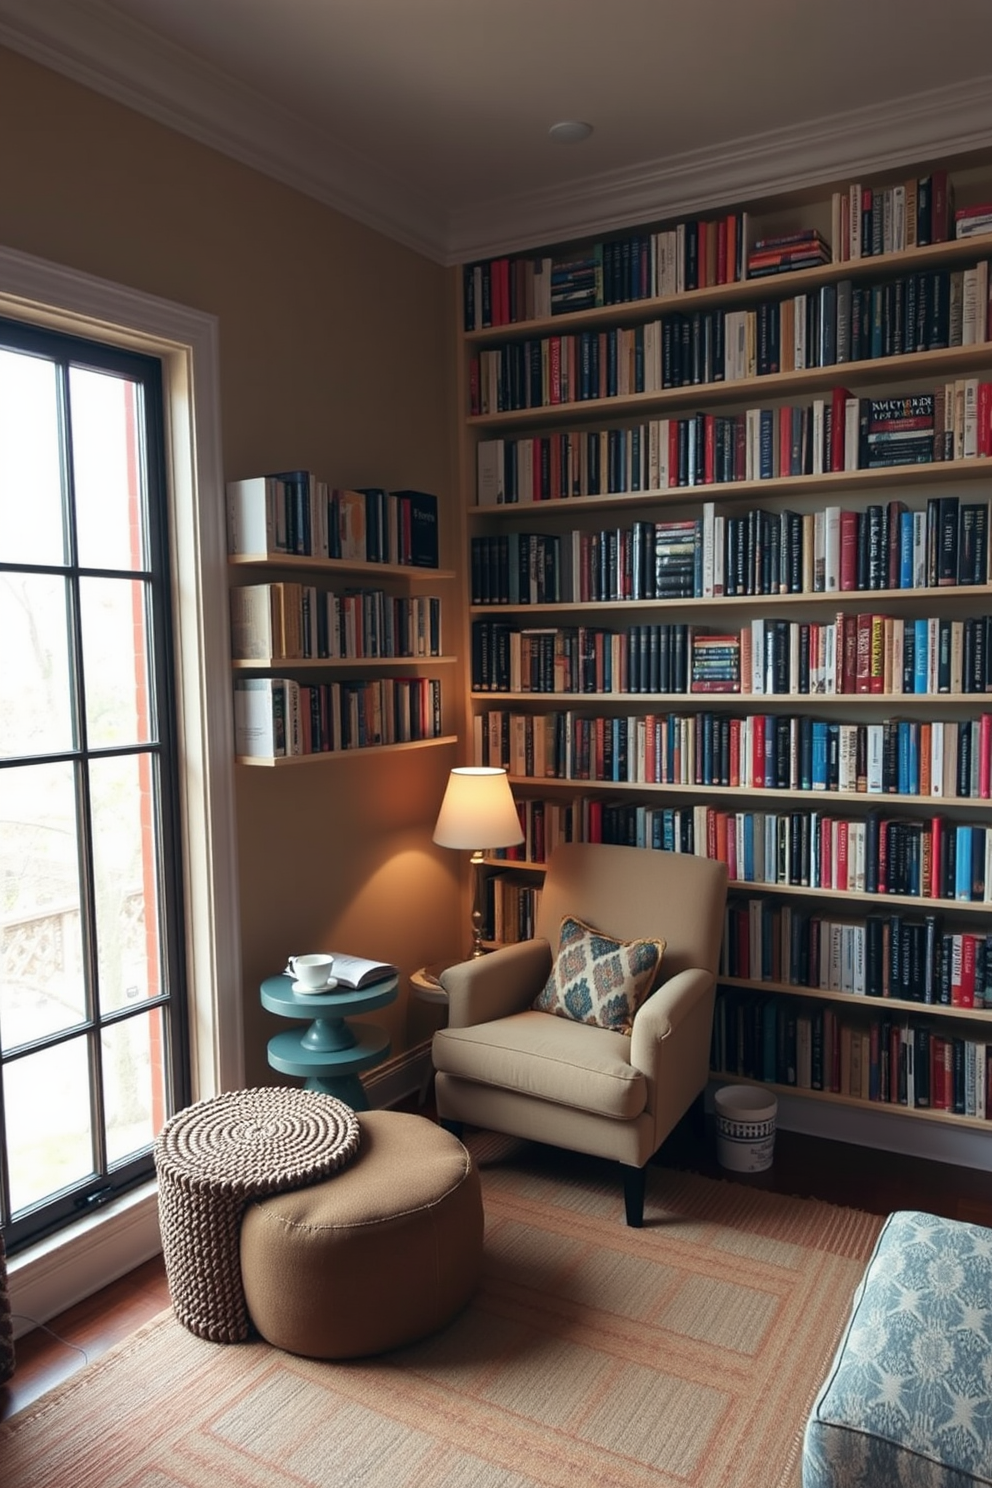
x=98 y=47
x=938 y=125
x=95 y=45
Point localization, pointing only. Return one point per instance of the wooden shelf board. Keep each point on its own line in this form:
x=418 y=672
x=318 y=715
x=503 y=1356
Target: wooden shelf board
x=335 y=755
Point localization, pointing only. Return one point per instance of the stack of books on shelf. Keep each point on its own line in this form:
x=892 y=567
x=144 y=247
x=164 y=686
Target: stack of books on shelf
x=510 y=907
x=296 y=514
x=279 y=717
x=972 y=222
x=804 y=249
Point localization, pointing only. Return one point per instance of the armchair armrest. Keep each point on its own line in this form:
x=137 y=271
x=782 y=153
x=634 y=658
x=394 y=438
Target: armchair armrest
x=664 y=1010
x=494 y=986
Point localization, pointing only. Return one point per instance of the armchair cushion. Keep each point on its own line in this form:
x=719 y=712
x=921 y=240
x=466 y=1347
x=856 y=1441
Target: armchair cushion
x=597 y=978
x=550 y=1058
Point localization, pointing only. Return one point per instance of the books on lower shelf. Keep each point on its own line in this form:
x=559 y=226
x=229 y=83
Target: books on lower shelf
x=880 y=1056
x=277 y=717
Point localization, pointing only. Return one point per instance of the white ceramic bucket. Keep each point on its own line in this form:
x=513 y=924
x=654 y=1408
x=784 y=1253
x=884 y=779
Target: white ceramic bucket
x=745 y=1128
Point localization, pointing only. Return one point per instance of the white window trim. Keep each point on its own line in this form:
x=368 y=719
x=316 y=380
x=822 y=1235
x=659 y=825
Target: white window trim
x=53 y=1275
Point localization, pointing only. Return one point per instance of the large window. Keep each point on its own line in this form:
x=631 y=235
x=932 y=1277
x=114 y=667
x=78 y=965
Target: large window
x=92 y=1002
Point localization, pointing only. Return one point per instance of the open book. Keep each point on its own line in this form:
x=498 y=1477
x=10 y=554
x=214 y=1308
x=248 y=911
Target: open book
x=356 y=971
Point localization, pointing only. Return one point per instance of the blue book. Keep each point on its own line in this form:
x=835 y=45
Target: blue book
x=805 y=753
x=902 y=758
x=905 y=550
x=920 y=651
x=749 y=848
x=962 y=862
x=819 y=756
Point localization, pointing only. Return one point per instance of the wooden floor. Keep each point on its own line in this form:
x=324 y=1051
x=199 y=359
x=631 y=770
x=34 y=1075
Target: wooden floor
x=840 y=1174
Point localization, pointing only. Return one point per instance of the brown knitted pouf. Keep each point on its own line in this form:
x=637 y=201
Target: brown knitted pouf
x=213 y=1157
x=6 y=1327
x=379 y=1255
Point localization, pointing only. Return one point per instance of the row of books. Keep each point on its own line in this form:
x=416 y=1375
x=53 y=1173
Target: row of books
x=510 y=907
x=295 y=513
x=899 y=757
x=698 y=253
x=910 y=957
x=287 y=620
x=870 y=220
x=838 y=324
x=913 y=858
x=878 y=1057
x=865 y=654
x=831 y=550
x=642 y=265
x=826 y=435
x=275 y=717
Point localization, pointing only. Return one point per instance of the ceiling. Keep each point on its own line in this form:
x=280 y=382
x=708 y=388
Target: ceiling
x=429 y=119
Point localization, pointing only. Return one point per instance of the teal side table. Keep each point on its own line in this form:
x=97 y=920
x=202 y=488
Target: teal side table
x=329 y=1052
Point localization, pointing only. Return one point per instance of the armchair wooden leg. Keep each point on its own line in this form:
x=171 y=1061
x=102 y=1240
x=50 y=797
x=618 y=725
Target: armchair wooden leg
x=634 y=1183
x=456 y=1128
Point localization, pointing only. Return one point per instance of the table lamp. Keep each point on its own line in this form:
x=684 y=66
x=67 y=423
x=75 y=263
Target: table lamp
x=477 y=813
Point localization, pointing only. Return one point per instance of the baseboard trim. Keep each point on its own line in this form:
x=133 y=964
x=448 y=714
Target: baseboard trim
x=400 y=1077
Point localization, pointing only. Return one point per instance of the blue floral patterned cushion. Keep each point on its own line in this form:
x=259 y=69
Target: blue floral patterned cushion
x=908 y=1400
x=598 y=979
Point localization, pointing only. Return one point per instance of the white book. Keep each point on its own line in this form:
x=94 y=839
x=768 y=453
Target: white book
x=490 y=457
x=799 y=334
x=260 y=717
x=252 y=512
x=852 y=432
x=919 y=549
x=854 y=225
x=847 y=774
x=719 y=555
x=847 y=958
x=874 y=734
x=859 y=960
x=709 y=522
x=937 y=758
x=758 y=655
x=969 y=307
x=969 y=436
x=819 y=418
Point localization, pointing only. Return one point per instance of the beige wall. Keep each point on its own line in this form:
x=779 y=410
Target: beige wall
x=334 y=346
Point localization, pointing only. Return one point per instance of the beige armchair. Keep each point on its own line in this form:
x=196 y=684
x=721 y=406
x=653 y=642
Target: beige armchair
x=506 y=1068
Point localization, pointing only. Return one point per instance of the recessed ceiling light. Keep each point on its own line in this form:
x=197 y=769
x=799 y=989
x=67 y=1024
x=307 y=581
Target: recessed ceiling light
x=570 y=131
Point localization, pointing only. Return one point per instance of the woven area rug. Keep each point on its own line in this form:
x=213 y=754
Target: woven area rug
x=683 y=1355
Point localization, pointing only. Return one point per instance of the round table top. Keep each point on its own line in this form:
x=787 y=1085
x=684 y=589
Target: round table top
x=278 y=997
x=259 y=1141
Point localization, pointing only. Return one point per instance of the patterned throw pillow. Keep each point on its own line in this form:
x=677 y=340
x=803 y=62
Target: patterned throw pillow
x=597 y=979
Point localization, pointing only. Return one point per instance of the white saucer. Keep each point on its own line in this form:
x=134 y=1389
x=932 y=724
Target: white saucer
x=327 y=986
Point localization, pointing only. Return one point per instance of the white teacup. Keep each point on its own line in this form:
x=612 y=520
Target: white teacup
x=312 y=971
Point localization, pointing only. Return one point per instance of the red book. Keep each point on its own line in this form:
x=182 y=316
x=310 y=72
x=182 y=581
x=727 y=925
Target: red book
x=711 y=833
x=848 y=626
x=985 y=418
x=969 y=949
x=840 y=867
x=554 y=370
x=673 y=452
x=783 y=420
x=721 y=251
x=985 y=756
x=735 y=751
x=709 y=448
x=838 y=418
x=474 y=387
x=876 y=676
x=758 y=750
x=862 y=679
x=936 y=848
x=940 y=207
x=731 y=265
x=732 y=847
x=826 y=855
x=848 y=549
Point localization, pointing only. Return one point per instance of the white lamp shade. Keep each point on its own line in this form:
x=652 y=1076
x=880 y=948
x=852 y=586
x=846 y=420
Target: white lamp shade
x=478 y=810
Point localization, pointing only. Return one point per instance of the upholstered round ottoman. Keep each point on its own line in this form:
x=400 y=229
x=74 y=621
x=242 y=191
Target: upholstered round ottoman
x=386 y=1251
